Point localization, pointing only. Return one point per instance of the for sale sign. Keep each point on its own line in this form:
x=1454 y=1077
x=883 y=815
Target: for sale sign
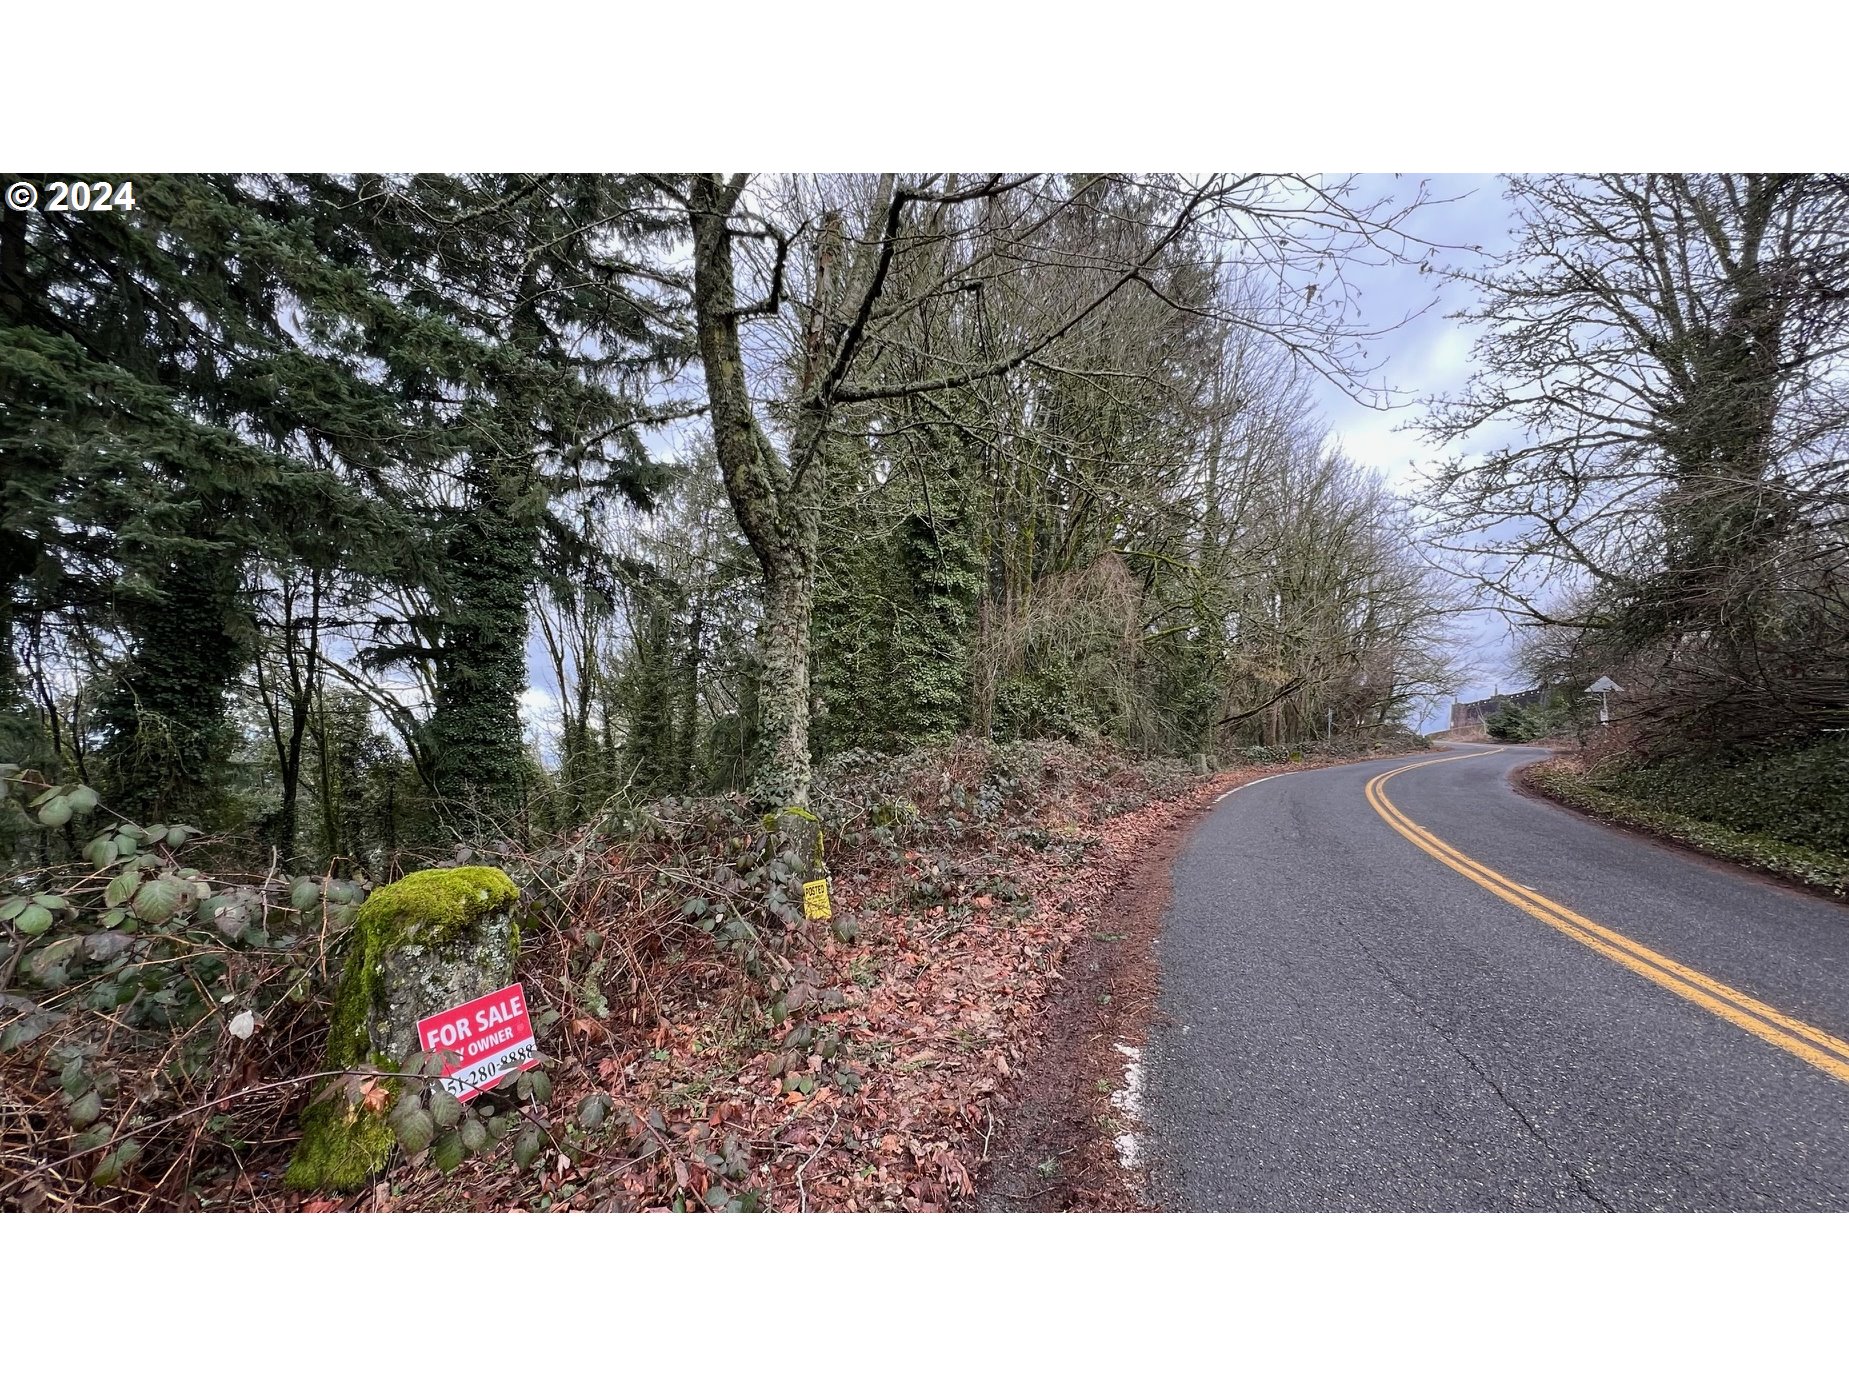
x=493 y=1035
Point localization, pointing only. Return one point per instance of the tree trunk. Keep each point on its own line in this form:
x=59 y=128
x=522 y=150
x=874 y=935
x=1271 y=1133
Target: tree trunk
x=475 y=733
x=328 y=798
x=304 y=679
x=289 y=817
x=775 y=508
x=687 y=723
x=782 y=776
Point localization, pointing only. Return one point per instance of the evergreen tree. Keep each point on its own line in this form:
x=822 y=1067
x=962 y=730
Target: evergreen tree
x=151 y=382
x=543 y=409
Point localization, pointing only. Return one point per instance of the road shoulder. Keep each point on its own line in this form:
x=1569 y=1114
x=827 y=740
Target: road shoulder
x=1069 y=1139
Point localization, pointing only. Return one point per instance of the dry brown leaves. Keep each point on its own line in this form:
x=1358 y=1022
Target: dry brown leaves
x=944 y=1002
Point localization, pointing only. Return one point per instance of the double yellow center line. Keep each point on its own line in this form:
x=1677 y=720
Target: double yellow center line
x=1814 y=1046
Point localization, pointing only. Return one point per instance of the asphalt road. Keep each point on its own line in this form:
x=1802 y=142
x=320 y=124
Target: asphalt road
x=1353 y=1023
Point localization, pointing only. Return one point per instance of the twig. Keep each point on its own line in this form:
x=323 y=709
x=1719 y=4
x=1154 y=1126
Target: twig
x=802 y=1194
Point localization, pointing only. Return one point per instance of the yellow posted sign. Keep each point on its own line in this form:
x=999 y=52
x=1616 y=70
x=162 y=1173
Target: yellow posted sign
x=815 y=900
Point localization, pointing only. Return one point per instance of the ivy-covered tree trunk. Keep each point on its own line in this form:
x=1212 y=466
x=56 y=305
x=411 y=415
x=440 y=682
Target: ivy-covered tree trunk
x=477 y=749
x=164 y=721
x=649 y=704
x=942 y=564
x=783 y=687
x=896 y=606
x=530 y=266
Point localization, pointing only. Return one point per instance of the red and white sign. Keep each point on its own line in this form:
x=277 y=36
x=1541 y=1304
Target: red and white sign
x=493 y=1035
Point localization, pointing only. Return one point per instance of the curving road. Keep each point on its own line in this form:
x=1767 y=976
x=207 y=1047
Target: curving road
x=1422 y=991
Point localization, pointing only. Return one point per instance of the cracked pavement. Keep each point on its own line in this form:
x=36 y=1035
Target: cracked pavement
x=1346 y=1023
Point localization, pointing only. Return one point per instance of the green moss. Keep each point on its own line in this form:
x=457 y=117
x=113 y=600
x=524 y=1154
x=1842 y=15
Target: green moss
x=342 y=1147
x=434 y=906
x=425 y=907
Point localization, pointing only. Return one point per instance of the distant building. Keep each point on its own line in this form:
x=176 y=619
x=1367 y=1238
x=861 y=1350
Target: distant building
x=1466 y=715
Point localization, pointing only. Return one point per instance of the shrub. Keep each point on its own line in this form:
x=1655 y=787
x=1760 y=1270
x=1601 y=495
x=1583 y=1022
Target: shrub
x=139 y=985
x=1510 y=724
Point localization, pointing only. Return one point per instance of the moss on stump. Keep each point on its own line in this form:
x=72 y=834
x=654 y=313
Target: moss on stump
x=342 y=1147
x=419 y=945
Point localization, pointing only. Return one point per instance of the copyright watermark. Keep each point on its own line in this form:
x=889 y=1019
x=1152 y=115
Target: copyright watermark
x=71 y=195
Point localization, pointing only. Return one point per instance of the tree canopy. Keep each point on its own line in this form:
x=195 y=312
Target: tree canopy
x=355 y=515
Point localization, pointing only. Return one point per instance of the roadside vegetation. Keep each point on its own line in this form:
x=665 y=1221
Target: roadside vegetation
x=665 y=543
x=1672 y=510
x=1562 y=714
x=1783 y=813
x=707 y=1046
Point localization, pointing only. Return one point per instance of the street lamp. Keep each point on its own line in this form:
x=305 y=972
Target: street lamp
x=1604 y=687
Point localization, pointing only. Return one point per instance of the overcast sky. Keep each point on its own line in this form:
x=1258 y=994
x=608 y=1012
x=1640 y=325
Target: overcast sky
x=1425 y=356
x=1422 y=353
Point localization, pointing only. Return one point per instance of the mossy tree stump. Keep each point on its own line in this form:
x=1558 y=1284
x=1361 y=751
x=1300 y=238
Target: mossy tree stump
x=419 y=945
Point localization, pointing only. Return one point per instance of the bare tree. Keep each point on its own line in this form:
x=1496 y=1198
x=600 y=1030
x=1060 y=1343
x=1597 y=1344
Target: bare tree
x=1661 y=391
x=857 y=284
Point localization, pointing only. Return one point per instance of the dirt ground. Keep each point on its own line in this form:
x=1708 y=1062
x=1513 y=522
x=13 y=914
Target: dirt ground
x=1055 y=1150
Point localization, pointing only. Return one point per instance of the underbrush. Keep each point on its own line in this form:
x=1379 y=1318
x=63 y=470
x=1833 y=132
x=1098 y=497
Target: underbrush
x=162 y=1025
x=1339 y=748
x=1799 y=796
x=158 y=1015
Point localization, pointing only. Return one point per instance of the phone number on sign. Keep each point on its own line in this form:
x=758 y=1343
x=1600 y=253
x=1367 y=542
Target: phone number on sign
x=71 y=196
x=467 y=1082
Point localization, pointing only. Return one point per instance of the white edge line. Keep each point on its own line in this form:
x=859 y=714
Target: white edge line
x=1247 y=785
